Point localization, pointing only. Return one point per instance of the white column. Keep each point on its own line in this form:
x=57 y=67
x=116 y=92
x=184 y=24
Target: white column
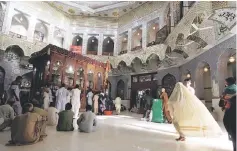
x=129 y=40
x=51 y=34
x=116 y=42
x=100 y=44
x=84 y=43
x=144 y=35
x=8 y=18
x=31 y=29
x=68 y=38
x=162 y=22
x=172 y=15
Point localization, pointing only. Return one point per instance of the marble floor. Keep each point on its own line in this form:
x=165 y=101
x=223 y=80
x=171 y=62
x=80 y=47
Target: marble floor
x=120 y=133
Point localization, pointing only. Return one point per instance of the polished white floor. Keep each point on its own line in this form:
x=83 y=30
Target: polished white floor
x=120 y=133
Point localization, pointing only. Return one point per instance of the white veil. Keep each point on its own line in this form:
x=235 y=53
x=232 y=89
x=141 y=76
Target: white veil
x=191 y=114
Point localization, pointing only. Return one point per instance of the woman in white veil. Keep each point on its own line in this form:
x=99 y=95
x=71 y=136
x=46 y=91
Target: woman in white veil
x=190 y=116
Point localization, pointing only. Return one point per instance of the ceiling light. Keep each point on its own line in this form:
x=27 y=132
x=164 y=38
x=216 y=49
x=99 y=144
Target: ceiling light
x=125 y=39
x=154 y=27
x=108 y=41
x=70 y=69
x=231 y=59
x=92 y=40
x=138 y=34
x=77 y=39
x=205 y=69
x=188 y=75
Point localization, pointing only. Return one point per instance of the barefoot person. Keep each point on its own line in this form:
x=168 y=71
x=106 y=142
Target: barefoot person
x=164 y=97
x=190 y=116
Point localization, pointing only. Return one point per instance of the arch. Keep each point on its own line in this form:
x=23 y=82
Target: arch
x=77 y=40
x=120 y=89
x=92 y=45
x=41 y=32
x=16 y=50
x=58 y=38
x=153 y=61
x=136 y=64
x=121 y=64
x=19 y=24
x=2 y=78
x=203 y=83
x=168 y=82
x=108 y=46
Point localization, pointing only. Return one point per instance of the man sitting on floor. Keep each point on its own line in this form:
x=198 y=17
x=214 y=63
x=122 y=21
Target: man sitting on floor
x=27 y=128
x=52 y=115
x=65 y=121
x=87 y=122
x=6 y=115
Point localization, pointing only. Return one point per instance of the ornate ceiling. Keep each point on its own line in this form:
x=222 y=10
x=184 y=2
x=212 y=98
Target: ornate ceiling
x=95 y=8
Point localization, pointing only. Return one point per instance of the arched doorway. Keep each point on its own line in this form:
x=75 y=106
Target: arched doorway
x=13 y=52
x=153 y=28
x=153 y=61
x=92 y=45
x=136 y=64
x=19 y=25
x=120 y=89
x=41 y=32
x=108 y=46
x=168 y=82
x=137 y=39
x=77 y=44
x=2 y=78
x=203 y=83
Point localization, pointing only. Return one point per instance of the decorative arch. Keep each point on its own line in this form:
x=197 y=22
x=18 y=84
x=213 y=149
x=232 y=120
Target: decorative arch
x=153 y=61
x=77 y=41
x=121 y=64
x=120 y=89
x=136 y=64
x=108 y=46
x=19 y=24
x=168 y=82
x=15 y=49
x=41 y=32
x=92 y=45
x=180 y=39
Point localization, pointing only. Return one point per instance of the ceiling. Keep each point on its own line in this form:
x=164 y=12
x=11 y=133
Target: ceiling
x=96 y=8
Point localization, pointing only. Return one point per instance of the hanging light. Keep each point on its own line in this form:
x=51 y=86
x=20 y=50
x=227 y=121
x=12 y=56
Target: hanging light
x=77 y=39
x=58 y=63
x=188 y=75
x=70 y=69
x=138 y=34
x=108 y=41
x=154 y=28
x=125 y=39
x=92 y=40
x=205 y=69
x=231 y=59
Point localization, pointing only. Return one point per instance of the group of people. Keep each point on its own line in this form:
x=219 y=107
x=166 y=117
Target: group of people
x=28 y=121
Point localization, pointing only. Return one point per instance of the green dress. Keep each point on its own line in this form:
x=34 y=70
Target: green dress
x=157 y=112
x=65 y=121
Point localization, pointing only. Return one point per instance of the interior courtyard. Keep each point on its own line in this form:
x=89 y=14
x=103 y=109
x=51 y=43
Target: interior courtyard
x=123 y=49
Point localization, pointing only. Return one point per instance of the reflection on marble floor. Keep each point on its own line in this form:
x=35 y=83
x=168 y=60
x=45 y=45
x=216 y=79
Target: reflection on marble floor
x=120 y=133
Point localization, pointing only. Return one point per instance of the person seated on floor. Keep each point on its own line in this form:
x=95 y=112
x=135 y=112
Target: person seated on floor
x=87 y=122
x=27 y=128
x=52 y=115
x=6 y=115
x=65 y=121
x=134 y=109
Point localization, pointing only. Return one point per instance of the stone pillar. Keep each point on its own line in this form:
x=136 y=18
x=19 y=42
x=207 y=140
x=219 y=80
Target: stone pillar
x=8 y=18
x=162 y=22
x=84 y=43
x=186 y=7
x=172 y=15
x=31 y=29
x=116 y=42
x=51 y=34
x=144 y=35
x=129 y=40
x=100 y=44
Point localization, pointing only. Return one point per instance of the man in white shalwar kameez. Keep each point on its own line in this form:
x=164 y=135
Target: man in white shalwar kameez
x=76 y=102
x=190 y=115
x=61 y=98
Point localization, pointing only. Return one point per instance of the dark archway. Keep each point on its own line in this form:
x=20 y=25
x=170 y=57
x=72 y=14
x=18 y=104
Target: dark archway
x=108 y=46
x=16 y=50
x=120 y=89
x=168 y=82
x=92 y=45
x=2 y=78
x=77 y=41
